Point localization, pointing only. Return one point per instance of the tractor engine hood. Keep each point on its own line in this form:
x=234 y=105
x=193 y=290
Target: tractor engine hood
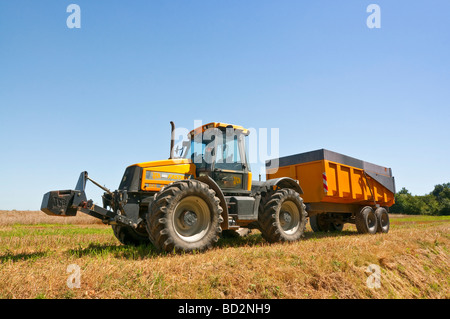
x=152 y=176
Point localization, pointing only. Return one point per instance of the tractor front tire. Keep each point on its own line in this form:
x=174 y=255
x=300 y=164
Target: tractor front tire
x=184 y=216
x=127 y=235
x=284 y=217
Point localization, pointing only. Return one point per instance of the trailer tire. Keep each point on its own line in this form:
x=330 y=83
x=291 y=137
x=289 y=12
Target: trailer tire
x=319 y=224
x=185 y=216
x=127 y=235
x=366 y=221
x=382 y=220
x=316 y=224
x=231 y=233
x=336 y=227
x=283 y=217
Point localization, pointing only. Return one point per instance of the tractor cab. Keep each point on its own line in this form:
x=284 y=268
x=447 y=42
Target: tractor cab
x=218 y=150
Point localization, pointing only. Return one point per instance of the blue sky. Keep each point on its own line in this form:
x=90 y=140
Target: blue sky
x=101 y=97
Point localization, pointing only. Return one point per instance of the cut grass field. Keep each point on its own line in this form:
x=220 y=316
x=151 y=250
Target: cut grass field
x=36 y=249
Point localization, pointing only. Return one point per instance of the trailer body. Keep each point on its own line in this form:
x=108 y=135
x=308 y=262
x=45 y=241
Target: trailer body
x=333 y=182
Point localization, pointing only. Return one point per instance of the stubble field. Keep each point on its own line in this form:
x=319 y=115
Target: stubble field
x=411 y=261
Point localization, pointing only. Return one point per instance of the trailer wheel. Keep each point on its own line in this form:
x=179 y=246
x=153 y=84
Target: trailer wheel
x=366 y=221
x=185 y=216
x=127 y=235
x=241 y=232
x=319 y=223
x=336 y=226
x=382 y=219
x=284 y=217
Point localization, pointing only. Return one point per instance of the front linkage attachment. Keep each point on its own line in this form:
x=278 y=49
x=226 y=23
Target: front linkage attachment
x=69 y=202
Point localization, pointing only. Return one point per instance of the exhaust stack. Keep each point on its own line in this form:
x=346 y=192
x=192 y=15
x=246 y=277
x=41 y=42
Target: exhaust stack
x=172 y=139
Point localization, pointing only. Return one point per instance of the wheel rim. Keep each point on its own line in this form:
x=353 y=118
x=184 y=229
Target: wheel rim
x=289 y=217
x=371 y=221
x=192 y=218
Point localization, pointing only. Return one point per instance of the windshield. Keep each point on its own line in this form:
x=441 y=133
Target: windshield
x=222 y=149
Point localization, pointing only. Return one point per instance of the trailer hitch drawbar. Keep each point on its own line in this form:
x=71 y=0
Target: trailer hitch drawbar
x=69 y=202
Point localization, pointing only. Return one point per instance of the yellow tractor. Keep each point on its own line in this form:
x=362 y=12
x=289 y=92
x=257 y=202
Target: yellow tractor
x=186 y=202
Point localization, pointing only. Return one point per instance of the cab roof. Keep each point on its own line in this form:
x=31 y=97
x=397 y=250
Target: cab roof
x=218 y=125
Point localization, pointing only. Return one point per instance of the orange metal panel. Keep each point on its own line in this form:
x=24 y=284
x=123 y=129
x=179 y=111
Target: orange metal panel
x=346 y=184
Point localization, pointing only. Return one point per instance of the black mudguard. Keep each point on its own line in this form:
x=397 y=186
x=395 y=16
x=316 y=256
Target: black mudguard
x=282 y=182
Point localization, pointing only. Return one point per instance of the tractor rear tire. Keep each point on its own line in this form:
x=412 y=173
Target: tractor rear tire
x=366 y=221
x=127 y=235
x=284 y=217
x=382 y=219
x=185 y=216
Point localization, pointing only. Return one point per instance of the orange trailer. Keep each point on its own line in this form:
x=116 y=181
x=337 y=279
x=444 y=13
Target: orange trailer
x=336 y=188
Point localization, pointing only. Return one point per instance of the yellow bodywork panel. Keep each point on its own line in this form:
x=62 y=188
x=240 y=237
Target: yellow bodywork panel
x=157 y=174
x=175 y=161
x=249 y=181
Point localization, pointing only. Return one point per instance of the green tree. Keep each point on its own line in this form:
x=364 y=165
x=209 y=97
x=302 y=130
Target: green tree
x=441 y=193
x=405 y=203
x=436 y=202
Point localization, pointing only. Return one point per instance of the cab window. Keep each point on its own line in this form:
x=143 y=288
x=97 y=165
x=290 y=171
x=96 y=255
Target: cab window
x=228 y=155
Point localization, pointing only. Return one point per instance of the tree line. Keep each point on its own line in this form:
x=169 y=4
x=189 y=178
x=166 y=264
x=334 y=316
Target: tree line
x=435 y=203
